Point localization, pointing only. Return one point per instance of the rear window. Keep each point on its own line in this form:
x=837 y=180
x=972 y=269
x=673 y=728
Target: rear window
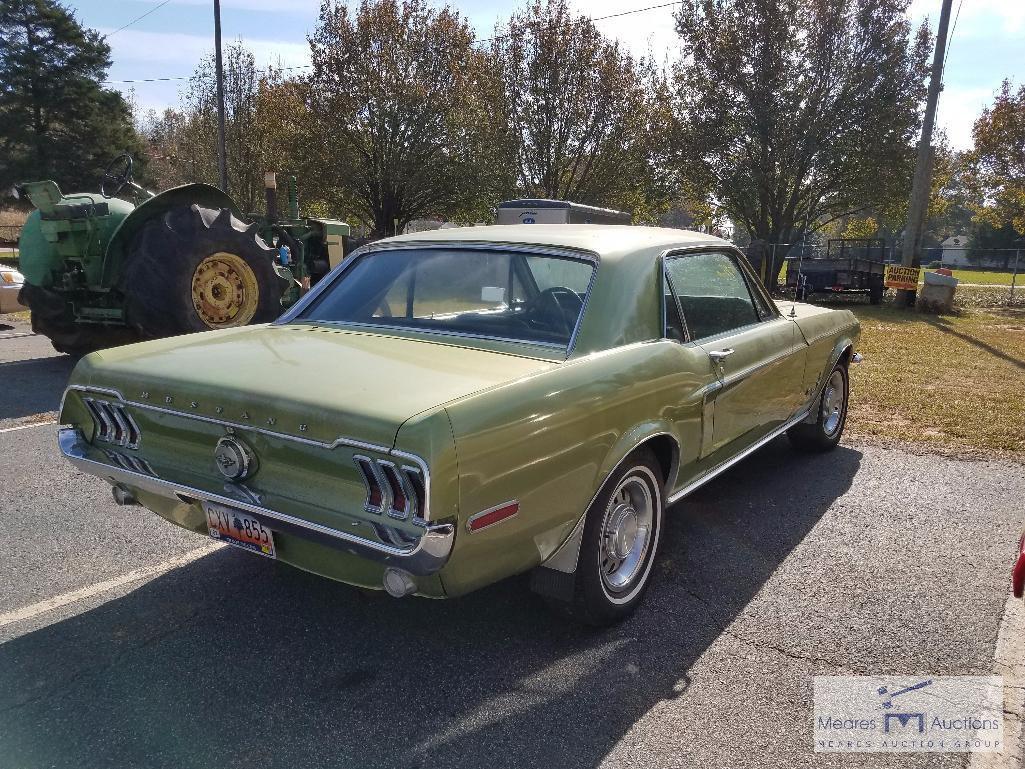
x=510 y=295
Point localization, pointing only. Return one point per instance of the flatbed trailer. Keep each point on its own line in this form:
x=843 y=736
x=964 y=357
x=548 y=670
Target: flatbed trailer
x=850 y=266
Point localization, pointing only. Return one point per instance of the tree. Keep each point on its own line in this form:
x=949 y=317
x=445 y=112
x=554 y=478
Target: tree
x=578 y=109
x=404 y=109
x=56 y=121
x=794 y=113
x=999 y=160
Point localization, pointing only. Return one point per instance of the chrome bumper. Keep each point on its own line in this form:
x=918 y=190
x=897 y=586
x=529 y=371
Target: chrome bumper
x=424 y=557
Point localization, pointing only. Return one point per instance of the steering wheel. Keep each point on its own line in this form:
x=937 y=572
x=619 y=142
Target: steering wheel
x=555 y=304
x=116 y=176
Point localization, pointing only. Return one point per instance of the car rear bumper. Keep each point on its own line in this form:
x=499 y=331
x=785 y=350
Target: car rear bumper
x=425 y=556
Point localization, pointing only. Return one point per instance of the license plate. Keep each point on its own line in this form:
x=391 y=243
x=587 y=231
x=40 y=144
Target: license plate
x=227 y=524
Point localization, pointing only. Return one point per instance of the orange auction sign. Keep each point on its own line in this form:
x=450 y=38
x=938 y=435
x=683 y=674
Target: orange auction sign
x=904 y=278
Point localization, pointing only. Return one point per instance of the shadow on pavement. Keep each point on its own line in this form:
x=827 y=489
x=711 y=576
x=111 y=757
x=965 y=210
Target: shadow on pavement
x=234 y=661
x=33 y=386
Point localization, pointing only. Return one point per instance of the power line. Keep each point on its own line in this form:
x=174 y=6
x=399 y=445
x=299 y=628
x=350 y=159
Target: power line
x=584 y=19
x=138 y=18
x=186 y=77
x=309 y=66
x=953 y=29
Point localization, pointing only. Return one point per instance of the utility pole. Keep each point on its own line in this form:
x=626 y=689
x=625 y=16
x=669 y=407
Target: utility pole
x=222 y=161
x=922 y=183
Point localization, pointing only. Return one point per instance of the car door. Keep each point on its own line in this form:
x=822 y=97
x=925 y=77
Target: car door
x=757 y=354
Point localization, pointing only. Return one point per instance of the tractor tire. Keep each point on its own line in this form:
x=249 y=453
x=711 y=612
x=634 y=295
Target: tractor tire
x=198 y=269
x=51 y=318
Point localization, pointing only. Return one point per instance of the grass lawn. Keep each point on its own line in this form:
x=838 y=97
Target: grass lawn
x=954 y=384
x=989 y=278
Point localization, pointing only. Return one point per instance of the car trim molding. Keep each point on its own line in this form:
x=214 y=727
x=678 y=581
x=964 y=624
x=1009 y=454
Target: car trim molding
x=727 y=464
x=425 y=556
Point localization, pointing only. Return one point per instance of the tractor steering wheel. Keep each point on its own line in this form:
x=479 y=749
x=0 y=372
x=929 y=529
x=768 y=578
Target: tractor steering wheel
x=116 y=176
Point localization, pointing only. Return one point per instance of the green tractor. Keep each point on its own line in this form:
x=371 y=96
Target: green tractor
x=101 y=271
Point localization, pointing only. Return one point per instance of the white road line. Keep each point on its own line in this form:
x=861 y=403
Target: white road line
x=1009 y=662
x=82 y=594
x=26 y=427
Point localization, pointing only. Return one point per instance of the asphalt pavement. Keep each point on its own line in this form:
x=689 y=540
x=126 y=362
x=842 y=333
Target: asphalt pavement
x=125 y=642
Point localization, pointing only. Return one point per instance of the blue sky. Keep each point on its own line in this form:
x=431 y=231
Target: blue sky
x=987 y=44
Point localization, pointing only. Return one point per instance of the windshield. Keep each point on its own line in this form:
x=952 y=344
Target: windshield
x=493 y=293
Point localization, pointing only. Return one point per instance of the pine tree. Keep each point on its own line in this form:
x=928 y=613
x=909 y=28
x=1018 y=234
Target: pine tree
x=56 y=120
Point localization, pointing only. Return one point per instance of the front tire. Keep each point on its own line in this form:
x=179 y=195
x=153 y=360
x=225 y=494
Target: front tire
x=197 y=269
x=824 y=434
x=619 y=544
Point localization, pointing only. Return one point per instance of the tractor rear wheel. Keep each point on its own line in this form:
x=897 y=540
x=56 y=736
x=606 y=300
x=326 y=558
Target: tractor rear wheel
x=197 y=269
x=52 y=318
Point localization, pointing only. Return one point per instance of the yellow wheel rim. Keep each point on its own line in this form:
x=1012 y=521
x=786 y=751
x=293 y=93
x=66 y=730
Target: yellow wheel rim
x=224 y=291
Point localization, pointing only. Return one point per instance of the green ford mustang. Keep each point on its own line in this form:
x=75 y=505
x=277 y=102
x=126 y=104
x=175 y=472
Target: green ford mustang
x=448 y=409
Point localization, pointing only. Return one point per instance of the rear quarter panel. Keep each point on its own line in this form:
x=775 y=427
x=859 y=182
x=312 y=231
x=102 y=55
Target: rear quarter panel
x=550 y=440
x=827 y=332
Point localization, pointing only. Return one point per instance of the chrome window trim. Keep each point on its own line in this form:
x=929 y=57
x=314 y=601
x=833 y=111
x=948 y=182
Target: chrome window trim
x=382 y=327
x=329 y=446
x=665 y=315
x=563 y=252
x=742 y=266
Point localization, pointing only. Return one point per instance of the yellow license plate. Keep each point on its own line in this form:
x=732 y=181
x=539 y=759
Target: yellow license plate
x=226 y=524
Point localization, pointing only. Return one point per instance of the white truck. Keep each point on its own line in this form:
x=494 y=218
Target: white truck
x=540 y=211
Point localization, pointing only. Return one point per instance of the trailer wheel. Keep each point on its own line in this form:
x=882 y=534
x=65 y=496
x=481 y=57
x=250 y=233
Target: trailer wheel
x=197 y=269
x=875 y=294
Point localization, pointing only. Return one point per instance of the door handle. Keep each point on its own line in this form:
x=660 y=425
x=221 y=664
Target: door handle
x=718 y=356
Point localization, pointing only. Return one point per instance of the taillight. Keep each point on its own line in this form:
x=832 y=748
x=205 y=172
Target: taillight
x=399 y=507
x=399 y=491
x=375 y=494
x=113 y=423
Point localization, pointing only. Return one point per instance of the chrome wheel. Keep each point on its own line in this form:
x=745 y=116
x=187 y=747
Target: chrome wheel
x=833 y=403
x=626 y=534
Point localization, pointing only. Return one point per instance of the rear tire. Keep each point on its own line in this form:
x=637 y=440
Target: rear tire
x=619 y=543
x=825 y=433
x=197 y=269
x=52 y=318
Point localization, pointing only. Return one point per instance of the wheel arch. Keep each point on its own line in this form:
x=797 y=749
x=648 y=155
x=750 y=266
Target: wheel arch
x=842 y=350
x=657 y=436
x=205 y=195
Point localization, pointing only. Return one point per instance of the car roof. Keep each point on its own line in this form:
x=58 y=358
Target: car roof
x=608 y=241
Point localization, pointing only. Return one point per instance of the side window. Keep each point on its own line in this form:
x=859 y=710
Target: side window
x=713 y=294
x=674 y=323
